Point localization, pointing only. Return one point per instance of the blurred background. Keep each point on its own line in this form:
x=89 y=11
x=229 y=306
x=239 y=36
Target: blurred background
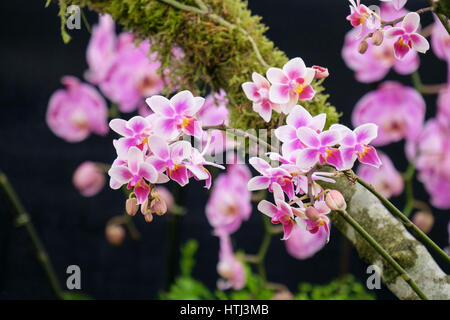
x=39 y=165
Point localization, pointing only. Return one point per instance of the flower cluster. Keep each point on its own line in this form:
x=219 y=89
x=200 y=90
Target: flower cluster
x=306 y=146
x=150 y=150
x=395 y=40
x=283 y=88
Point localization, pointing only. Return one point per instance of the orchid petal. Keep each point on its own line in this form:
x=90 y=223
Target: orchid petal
x=269 y=209
x=158 y=147
x=411 y=22
x=120 y=126
x=160 y=105
x=308 y=136
x=277 y=76
x=295 y=68
x=258 y=183
x=121 y=174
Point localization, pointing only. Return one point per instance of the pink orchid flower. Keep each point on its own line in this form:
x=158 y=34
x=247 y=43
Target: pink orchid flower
x=319 y=148
x=170 y=159
x=385 y=179
x=258 y=92
x=299 y=117
x=355 y=145
x=377 y=61
x=230 y=201
x=398 y=4
x=78 y=110
x=440 y=40
x=290 y=84
x=280 y=213
x=361 y=18
x=303 y=244
x=101 y=50
x=315 y=218
x=397 y=110
x=135 y=174
x=270 y=176
x=177 y=115
x=443 y=104
x=135 y=132
x=196 y=166
x=89 y=178
x=407 y=36
x=229 y=268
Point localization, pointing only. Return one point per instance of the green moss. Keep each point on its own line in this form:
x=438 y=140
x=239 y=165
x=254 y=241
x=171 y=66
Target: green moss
x=215 y=56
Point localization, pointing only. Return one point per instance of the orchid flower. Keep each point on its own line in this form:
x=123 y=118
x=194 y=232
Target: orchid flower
x=407 y=36
x=355 y=145
x=196 y=166
x=229 y=268
x=314 y=218
x=177 y=115
x=398 y=4
x=299 y=117
x=258 y=92
x=303 y=244
x=290 y=84
x=135 y=132
x=135 y=174
x=170 y=159
x=319 y=148
x=281 y=212
x=269 y=177
x=361 y=17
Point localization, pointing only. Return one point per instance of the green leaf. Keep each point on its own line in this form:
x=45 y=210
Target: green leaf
x=67 y=295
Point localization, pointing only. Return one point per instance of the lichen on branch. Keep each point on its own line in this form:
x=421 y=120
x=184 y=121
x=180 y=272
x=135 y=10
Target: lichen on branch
x=217 y=55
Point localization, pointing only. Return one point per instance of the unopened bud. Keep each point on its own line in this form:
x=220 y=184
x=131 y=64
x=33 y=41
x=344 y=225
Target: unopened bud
x=424 y=220
x=312 y=213
x=145 y=208
x=131 y=206
x=158 y=206
x=148 y=217
x=363 y=46
x=115 y=234
x=377 y=37
x=321 y=72
x=165 y=195
x=335 y=201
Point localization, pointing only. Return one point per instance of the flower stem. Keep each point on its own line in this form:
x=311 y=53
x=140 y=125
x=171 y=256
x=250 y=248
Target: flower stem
x=23 y=219
x=408 y=223
x=408 y=178
x=264 y=248
x=383 y=253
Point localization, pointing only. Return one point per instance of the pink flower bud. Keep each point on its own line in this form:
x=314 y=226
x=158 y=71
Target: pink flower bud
x=335 y=200
x=131 y=206
x=377 y=38
x=89 y=179
x=148 y=217
x=321 y=72
x=115 y=234
x=312 y=213
x=424 y=220
x=145 y=208
x=363 y=46
x=158 y=206
x=166 y=195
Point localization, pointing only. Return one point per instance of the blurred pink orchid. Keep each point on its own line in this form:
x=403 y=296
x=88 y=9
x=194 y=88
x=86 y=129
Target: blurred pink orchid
x=76 y=111
x=89 y=179
x=177 y=115
x=230 y=201
x=397 y=110
x=407 y=36
x=229 y=268
x=398 y=4
x=290 y=84
x=303 y=244
x=385 y=179
x=258 y=92
x=440 y=40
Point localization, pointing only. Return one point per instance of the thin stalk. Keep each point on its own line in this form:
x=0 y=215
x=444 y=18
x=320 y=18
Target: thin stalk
x=383 y=253
x=264 y=248
x=23 y=219
x=408 y=178
x=408 y=223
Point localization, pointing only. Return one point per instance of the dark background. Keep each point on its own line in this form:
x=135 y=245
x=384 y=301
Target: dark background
x=33 y=58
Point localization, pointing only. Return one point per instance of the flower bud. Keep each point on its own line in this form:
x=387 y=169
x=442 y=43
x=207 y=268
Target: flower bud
x=312 y=213
x=321 y=72
x=158 y=206
x=145 y=208
x=131 y=206
x=166 y=195
x=335 y=201
x=363 y=46
x=115 y=234
x=148 y=217
x=424 y=220
x=89 y=179
x=377 y=37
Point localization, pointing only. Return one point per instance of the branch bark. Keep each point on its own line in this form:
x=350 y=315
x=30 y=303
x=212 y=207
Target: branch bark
x=371 y=214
